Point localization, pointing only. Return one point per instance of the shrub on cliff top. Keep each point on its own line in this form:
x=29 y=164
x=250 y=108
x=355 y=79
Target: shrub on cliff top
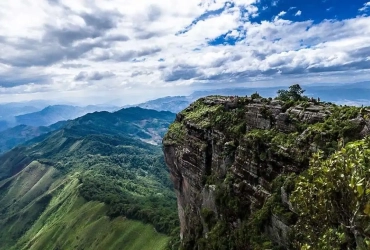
x=294 y=93
x=332 y=199
x=176 y=132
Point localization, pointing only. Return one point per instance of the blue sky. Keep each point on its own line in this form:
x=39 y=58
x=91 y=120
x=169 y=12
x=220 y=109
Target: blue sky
x=317 y=10
x=94 y=51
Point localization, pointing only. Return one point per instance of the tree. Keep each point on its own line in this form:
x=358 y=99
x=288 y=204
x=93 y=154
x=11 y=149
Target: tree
x=256 y=95
x=332 y=199
x=294 y=93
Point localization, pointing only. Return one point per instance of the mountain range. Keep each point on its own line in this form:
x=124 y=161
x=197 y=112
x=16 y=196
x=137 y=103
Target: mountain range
x=15 y=114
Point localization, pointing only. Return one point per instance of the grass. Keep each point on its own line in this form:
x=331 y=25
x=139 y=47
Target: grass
x=70 y=222
x=46 y=211
x=176 y=133
x=201 y=114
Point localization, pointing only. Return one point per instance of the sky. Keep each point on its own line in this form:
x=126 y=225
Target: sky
x=96 y=51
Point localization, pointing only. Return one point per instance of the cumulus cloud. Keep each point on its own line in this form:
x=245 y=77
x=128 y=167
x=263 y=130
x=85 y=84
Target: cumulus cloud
x=108 y=46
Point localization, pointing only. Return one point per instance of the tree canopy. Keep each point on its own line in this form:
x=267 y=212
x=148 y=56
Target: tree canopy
x=294 y=93
x=332 y=200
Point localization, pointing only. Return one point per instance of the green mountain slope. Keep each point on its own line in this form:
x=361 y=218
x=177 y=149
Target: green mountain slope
x=70 y=222
x=90 y=185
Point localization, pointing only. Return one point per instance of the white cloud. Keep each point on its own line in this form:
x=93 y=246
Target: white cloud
x=365 y=7
x=282 y=13
x=110 y=49
x=298 y=13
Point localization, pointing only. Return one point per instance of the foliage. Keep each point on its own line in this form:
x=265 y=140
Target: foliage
x=176 y=132
x=200 y=114
x=256 y=96
x=332 y=199
x=339 y=125
x=294 y=93
x=133 y=193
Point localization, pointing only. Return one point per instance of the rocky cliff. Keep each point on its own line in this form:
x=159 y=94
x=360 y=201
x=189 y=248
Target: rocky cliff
x=233 y=161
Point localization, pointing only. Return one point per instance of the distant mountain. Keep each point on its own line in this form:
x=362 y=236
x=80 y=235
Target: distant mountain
x=92 y=184
x=146 y=125
x=352 y=94
x=39 y=113
x=53 y=114
x=12 y=137
x=9 y=110
x=169 y=103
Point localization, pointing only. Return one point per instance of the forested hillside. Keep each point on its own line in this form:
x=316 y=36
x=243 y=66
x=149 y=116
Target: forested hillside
x=93 y=184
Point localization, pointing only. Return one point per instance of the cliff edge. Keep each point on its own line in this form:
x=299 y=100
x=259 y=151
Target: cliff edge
x=233 y=161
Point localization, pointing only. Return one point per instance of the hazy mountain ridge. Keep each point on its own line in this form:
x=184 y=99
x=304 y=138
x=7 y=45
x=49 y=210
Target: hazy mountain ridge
x=14 y=114
x=56 y=113
x=17 y=135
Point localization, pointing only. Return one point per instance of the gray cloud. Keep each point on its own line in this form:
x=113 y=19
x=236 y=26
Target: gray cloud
x=35 y=53
x=73 y=65
x=116 y=38
x=181 y=72
x=15 y=77
x=140 y=73
x=154 y=13
x=222 y=61
x=67 y=36
x=58 y=43
x=361 y=52
x=362 y=64
x=144 y=34
x=53 y=2
x=96 y=25
x=101 y=20
x=124 y=56
x=93 y=76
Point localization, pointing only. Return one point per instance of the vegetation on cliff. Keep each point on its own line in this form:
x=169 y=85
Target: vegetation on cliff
x=252 y=150
x=332 y=199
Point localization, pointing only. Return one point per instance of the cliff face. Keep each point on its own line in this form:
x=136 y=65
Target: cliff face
x=232 y=161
